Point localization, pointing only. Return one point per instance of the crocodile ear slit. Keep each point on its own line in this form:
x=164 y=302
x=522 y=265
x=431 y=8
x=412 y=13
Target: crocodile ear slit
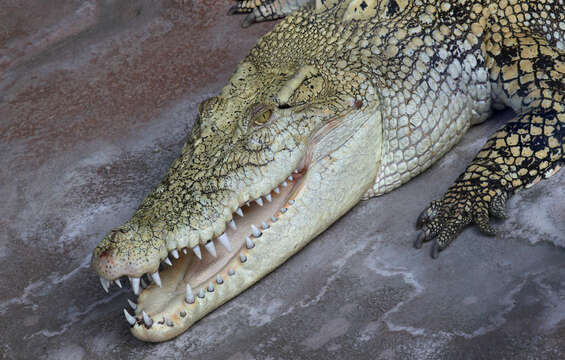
x=288 y=89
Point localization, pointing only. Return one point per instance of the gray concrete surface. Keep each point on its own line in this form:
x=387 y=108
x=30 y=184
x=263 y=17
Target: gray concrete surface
x=96 y=98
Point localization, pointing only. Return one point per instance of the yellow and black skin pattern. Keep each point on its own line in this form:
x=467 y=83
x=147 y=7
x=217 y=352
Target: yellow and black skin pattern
x=522 y=45
x=528 y=72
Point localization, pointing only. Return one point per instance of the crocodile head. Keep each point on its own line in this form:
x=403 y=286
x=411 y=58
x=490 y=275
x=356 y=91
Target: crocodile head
x=282 y=152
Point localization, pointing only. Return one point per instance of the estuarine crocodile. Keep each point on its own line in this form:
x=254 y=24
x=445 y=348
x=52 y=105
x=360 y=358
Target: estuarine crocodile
x=341 y=101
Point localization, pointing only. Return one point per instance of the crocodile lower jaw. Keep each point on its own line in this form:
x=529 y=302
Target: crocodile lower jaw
x=192 y=287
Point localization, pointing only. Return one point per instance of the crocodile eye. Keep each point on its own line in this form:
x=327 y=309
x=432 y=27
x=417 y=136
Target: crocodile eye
x=262 y=117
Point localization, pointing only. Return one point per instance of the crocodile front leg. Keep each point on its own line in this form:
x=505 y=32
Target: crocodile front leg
x=528 y=75
x=263 y=10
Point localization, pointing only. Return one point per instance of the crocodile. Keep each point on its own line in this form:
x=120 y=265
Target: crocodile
x=343 y=100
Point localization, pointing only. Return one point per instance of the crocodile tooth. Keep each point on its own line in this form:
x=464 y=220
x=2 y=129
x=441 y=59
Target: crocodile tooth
x=225 y=241
x=201 y=294
x=105 y=284
x=264 y=225
x=131 y=320
x=211 y=248
x=277 y=190
x=232 y=225
x=243 y=258
x=175 y=253
x=249 y=243
x=284 y=184
x=219 y=280
x=273 y=219
x=143 y=283
x=295 y=171
x=268 y=197
x=255 y=231
x=239 y=212
x=156 y=278
x=259 y=201
x=147 y=319
x=135 y=285
x=291 y=202
x=197 y=252
x=132 y=304
x=118 y=282
x=290 y=178
x=189 y=298
x=210 y=287
x=283 y=210
x=168 y=261
x=247 y=204
x=231 y=272
x=185 y=251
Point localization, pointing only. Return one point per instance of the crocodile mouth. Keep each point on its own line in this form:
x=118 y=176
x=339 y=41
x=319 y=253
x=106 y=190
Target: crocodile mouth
x=195 y=281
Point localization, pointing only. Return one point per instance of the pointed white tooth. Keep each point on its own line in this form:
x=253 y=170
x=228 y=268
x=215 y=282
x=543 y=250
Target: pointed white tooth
x=243 y=258
x=143 y=283
x=283 y=210
x=273 y=219
x=239 y=212
x=175 y=253
x=146 y=319
x=296 y=171
x=132 y=304
x=284 y=184
x=231 y=272
x=249 y=243
x=291 y=202
x=189 y=295
x=255 y=231
x=225 y=241
x=168 y=261
x=197 y=252
x=264 y=225
x=277 y=190
x=247 y=203
x=201 y=293
x=105 y=284
x=156 y=278
x=118 y=282
x=232 y=225
x=135 y=285
x=268 y=197
x=290 y=178
x=219 y=280
x=131 y=320
x=259 y=201
x=185 y=251
x=210 y=287
x=211 y=248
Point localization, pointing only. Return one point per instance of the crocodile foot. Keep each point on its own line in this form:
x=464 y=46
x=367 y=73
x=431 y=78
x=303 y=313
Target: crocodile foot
x=257 y=10
x=466 y=202
x=264 y=10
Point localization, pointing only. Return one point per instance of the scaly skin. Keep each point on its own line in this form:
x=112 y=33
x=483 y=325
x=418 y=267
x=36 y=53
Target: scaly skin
x=358 y=96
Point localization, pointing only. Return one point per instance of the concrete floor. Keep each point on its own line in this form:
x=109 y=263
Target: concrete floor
x=96 y=98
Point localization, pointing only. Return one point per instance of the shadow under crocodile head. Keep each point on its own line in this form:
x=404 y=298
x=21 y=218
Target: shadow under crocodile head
x=280 y=154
